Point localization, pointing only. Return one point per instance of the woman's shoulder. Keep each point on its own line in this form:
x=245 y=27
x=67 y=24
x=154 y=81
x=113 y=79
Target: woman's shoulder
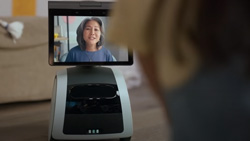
x=105 y=50
x=76 y=48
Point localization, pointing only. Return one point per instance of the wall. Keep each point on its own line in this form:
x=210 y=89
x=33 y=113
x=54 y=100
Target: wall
x=27 y=7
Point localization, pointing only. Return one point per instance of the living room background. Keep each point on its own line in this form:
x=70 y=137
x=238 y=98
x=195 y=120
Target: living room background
x=27 y=7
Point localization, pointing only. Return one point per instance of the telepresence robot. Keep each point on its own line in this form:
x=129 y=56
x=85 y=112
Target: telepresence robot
x=89 y=102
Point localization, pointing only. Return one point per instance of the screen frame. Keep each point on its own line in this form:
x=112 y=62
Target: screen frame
x=79 y=12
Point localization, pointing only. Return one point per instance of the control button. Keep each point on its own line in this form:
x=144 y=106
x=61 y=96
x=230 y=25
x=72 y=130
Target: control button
x=89 y=131
x=97 y=131
x=93 y=131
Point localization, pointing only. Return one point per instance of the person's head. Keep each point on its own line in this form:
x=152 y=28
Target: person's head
x=90 y=32
x=185 y=35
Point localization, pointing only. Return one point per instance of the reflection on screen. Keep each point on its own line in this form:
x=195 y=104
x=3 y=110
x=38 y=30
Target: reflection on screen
x=82 y=39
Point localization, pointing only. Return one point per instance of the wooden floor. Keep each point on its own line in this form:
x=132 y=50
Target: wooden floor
x=29 y=121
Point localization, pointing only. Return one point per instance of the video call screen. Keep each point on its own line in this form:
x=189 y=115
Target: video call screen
x=77 y=37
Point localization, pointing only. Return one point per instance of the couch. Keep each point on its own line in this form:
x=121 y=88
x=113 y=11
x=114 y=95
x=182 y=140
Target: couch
x=25 y=74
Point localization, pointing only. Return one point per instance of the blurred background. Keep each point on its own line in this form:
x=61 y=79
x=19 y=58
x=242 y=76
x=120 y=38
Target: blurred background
x=27 y=80
x=27 y=7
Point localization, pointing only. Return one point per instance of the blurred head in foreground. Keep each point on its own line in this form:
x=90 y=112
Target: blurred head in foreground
x=196 y=55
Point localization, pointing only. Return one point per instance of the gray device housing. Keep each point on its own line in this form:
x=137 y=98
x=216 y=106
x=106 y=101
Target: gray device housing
x=110 y=125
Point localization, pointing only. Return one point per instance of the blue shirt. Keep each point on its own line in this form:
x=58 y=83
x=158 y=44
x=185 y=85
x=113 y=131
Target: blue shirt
x=78 y=55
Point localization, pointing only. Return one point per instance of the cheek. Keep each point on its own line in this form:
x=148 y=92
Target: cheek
x=85 y=34
x=99 y=35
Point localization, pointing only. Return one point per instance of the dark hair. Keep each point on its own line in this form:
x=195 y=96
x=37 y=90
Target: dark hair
x=223 y=30
x=81 y=28
x=219 y=32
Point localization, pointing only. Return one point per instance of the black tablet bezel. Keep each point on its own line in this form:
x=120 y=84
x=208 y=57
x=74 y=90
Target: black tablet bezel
x=79 y=12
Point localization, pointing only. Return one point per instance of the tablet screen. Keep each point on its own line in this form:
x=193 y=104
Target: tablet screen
x=77 y=37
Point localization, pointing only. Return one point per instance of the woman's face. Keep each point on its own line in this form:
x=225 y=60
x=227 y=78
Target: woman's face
x=92 y=32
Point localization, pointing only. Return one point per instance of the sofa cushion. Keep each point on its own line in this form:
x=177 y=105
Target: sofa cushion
x=35 y=32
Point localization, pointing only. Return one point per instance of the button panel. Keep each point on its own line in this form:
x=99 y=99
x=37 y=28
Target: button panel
x=93 y=131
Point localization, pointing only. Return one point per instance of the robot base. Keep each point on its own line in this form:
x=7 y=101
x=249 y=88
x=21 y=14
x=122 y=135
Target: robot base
x=121 y=139
x=90 y=104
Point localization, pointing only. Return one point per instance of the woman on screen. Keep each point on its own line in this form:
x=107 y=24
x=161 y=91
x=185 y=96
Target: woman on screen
x=90 y=43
